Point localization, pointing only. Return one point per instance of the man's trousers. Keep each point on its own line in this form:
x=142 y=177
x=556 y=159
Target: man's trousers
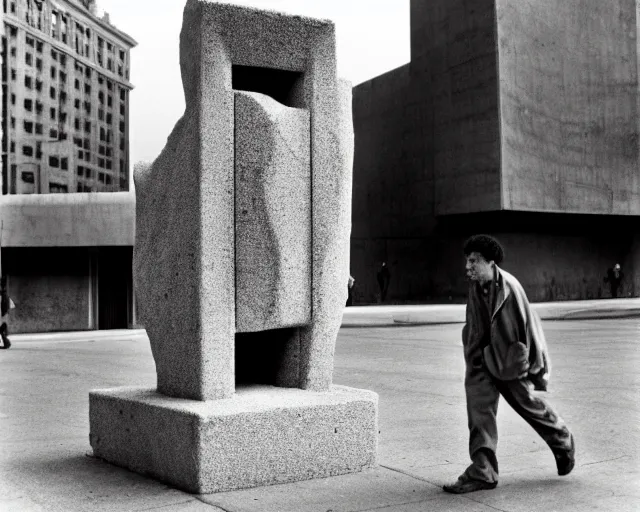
x=483 y=392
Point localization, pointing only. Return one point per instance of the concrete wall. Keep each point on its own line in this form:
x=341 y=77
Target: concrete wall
x=68 y=220
x=51 y=288
x=569 y=105
x=454 y=44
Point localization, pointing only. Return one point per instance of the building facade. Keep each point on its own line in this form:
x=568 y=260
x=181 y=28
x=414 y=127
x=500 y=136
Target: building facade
x=66 y=251
x=65 y=80
x=518 y=119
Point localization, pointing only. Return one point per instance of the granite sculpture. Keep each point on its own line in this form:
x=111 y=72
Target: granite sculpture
x=241 y=265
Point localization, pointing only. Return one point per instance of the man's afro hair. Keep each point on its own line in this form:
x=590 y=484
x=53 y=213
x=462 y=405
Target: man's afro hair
x=486 y=245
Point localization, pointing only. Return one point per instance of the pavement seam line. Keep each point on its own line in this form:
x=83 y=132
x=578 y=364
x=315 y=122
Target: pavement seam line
x=406 y=473
x=218 y=507
x=169 y=505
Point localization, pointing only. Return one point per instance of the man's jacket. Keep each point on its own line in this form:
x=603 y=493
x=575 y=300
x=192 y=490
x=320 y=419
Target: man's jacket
x=514 y=346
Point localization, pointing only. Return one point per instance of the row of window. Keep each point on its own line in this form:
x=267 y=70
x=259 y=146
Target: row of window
x=107 y=54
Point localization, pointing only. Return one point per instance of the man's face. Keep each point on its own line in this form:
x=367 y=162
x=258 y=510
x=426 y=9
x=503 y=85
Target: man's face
x=478 y=268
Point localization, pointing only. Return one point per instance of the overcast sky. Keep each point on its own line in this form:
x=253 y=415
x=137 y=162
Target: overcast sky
x=372 y=37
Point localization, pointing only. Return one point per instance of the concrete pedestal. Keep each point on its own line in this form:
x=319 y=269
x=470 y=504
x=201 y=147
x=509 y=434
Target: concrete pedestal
x=263 y=435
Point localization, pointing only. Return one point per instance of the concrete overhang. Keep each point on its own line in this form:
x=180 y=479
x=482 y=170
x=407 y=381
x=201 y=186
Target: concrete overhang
x=68 y=220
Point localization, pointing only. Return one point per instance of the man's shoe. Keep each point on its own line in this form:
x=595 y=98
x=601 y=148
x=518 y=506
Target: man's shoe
x=5 y=342
x=464 y=485
x=566 y=459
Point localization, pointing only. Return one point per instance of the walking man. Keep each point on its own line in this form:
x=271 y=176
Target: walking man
x=505 y=354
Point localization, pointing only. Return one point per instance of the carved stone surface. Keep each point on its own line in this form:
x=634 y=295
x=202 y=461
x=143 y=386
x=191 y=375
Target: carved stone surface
x=273 y=214
x=241 y=266
x=262 y=436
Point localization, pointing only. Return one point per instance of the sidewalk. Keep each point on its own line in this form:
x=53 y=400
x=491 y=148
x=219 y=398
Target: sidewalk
x=390 y=316
x=418 y=373
x=403 y=315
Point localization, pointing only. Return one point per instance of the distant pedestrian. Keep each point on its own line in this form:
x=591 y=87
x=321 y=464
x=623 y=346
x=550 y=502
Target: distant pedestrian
x=6 y=304
x=350 y=285
x=505 y=354
x=614 y=278
x=384 y=277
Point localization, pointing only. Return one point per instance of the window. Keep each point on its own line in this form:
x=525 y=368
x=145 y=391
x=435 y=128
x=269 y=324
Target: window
x=13 y=51
x=87 y=145
x=101 y=177
x=109 y=118
x=76 y=103
x=80 y=170
x=28 y=105
x=13 y=74
x=52 y=112
x=39 y=150
x=108 y=164
x=63 y=117
x=77 y=85
x=87 y=107
x=39 y=46
x=53 y=72
x=88 y=173
x=54 y=161
x=101 y=97
x=53 y=133
x=28 y=126
x=101 y=114
x=12 y=147
x=121 y=54
x=39 y=107
x=13 y=31
x=87 y=73
x=76 y=123
x=109 y=85
x=13 y=122
x=101 y=150
x=87 y=126
x=30 y=41
x=39 y=64
x=54 y=54
x=52 y=93
x=63 y=60
x=38 y=85
x=108 y=152
x=122 y=171
x=87 y=88
x=13 y=7
x=39 y=128
x=80 y=155
x=63 y=77
x=108 y=179
x=28 y=82
x=122 y=110
x=28 y=59
x=13 y=99
x=103 y=135
x=27 y=150
x=122 y=126
x=109 y=101
x=58 y=188
x=101 y=163
x=64 y=164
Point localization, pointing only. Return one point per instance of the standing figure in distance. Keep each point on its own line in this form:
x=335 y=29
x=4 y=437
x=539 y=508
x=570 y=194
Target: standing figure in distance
x=384 y=276
x=6 y=304
x=350 y=284
x=614 y=278
x=505 y=354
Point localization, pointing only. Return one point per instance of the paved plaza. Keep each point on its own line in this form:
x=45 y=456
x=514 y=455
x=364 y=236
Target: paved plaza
x=417 y=370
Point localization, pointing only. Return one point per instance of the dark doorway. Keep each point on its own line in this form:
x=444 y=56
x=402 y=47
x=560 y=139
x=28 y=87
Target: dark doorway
x=114 y=287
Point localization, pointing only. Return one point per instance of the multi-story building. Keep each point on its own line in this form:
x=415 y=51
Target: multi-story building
x=65 y=82
x=517 y=119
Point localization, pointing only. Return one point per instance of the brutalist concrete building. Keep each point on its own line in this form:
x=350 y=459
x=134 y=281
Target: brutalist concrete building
x=65 y=113
x=517 y=119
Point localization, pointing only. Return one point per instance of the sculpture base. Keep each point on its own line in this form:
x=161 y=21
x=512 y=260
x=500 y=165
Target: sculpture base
x=262 y=436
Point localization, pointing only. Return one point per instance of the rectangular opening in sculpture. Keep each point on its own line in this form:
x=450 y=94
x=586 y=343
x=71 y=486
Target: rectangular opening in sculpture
x=281 y=85
x=268 y=357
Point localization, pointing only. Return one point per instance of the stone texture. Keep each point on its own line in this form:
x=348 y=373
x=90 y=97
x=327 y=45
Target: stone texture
x=262 y=436
x=184 y=256
x=273 y=214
